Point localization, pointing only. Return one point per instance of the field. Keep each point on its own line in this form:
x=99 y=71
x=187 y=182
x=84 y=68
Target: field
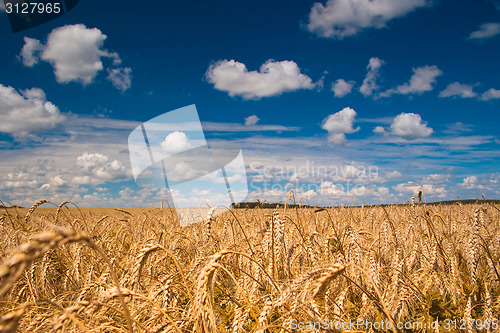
x=406 y=268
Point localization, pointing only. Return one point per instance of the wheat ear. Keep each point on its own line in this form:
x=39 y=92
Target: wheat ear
x=13 y=267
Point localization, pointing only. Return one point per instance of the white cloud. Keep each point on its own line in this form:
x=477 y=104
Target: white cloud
x=176 y=142
x=457 y=128
x=483 y=182
x=393 y=174
x=370 y=81
x=30 y=51
x=341 y=87
x=120 y=77
x=457 y=89
x=490 y=94
x=436 y=178
x=339 y=124
x=471 y=182
x=356 y=173
x=84 y=180
x=486 y=30
x=273 y=78
x=96 y=169
x=74 y=51
x=56 y=181
x=344 y=18
x=235 y=127
x=18 y=180
x=379 y=130
x=28 y=111
x=304 y=155
x=383 y=191
x=328 y=188
x=411 y=188
x=251 y=120
x=422 y=80
x=410 y=127
x=90 y=161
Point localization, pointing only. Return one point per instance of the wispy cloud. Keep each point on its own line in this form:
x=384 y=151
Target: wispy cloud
x=370 y=82
x=120 y=77
x=457 y=89
x=97 y=150
x=235 y=127
x=490 y=94
x=485 y=31
x=344 y=18
x=458 y=128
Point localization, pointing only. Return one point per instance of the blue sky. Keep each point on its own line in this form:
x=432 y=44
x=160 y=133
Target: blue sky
x=339 y=100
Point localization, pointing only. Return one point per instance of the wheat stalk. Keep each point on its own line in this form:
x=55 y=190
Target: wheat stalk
x=12 y=268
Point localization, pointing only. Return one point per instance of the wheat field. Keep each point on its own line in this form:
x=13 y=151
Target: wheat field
x=288 y=269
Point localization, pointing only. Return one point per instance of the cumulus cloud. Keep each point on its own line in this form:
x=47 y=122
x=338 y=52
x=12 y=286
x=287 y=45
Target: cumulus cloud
x=471 y=182
x=30 y=51
x=251 y=120
x=490 y=94
x=344 y=18
x=379 y=130
x=27 y=111
x=120 y=77
x=273 y=78
x=57 y=180
x=422 y=80
x=393 y=174
x=483 y=182
x=96 y=169
x=410 y=127
x=486 y=30
x=90 y=161
x=74 y=51
x=54 y=182
x=457 y=89
x=339 y=124
x=176 y=142
x=341 y=87
x=330 y=190
x=370 y=82
x=411 y=188
x=14 y=180
x=436 y=178
x=327 y=188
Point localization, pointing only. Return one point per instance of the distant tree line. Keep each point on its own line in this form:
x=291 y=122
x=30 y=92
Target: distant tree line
x=269 y=205
x=14 y=206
